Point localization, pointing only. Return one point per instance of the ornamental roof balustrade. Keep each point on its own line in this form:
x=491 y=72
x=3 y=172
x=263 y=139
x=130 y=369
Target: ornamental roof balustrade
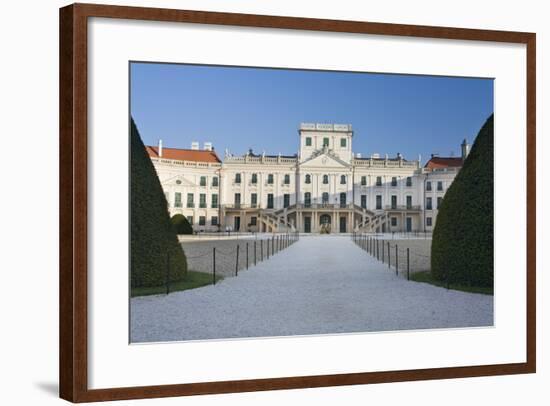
x=386 y=163
x=190 y=164
x=261 y=159
x=326 y=127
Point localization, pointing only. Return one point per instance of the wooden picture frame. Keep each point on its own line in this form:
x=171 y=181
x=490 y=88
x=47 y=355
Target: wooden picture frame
x=73 y=200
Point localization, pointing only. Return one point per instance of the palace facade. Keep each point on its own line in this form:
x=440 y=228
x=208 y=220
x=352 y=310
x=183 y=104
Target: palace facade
x=324 y=188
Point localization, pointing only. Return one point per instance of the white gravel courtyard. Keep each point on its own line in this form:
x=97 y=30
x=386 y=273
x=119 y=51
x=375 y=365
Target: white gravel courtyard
x=319 y=285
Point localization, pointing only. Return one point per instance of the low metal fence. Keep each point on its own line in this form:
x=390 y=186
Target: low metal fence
x=228 y=259
x=404 y=260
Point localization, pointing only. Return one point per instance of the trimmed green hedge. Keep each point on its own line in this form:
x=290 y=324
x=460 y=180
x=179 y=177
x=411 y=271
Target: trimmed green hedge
x=462 y=246
x=181 y=224
x=153 y=241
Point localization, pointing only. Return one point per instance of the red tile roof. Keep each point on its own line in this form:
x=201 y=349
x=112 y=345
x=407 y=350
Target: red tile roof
x=443 y=162
x=192 y=155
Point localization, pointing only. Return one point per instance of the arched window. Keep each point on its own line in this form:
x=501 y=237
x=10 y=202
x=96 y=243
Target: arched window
x=343 y=179
x=308 y=178
x=325 y=179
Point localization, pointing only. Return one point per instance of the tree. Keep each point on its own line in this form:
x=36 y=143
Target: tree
x=462 y=245
x=154 y=246
x=181 y=224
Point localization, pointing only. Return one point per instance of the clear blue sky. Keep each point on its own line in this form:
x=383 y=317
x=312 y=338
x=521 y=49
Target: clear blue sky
x=241 y=108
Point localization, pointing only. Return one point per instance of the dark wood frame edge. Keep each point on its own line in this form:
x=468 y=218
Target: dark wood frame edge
x=73 y=201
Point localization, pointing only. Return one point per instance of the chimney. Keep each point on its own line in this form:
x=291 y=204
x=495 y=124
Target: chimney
x=195 y=145
x=160 y=149
x=465 y=149
x=208 y=146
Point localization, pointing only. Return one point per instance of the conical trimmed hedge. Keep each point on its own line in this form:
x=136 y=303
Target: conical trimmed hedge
x=462 y=245
x=181 y=224
x=153 y=241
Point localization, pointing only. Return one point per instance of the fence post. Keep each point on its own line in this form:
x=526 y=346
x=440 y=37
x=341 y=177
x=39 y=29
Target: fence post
x=267 y=247
x=213 y=265
x=372 y=246
x=382 y=251
x=255 y=253
x=377 y=250
x=167 y=272
x=237 y=262
x=396 y=260
x=261 y=250
x=272 y=245
x=408 y=266
x=246 y=255
x=389 y=256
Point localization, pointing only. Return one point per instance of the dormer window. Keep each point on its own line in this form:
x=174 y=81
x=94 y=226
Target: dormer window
x=178 y=182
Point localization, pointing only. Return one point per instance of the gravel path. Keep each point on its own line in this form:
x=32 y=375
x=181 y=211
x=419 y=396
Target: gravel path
x=319 y=285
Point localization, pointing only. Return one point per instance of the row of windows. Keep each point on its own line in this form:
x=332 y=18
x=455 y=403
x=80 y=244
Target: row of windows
x=429 y=205
x=343 y=180
x=393 y=221
x=439 y=186
x=191 y=200
x=270 y=178
x=326 y=179
x=326 y=141
x=202 y=220
x=202 y=181
x=408 y=202
x=408 y=181
x=254 y=200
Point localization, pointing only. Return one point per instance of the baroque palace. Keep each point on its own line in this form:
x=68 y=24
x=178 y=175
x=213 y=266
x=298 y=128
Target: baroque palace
x=325 y=187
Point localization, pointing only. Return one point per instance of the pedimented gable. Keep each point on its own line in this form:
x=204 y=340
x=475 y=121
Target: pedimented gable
x=325 y=160
x=178 y=180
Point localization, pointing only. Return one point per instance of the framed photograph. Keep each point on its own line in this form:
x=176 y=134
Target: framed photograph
x=255 y=202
